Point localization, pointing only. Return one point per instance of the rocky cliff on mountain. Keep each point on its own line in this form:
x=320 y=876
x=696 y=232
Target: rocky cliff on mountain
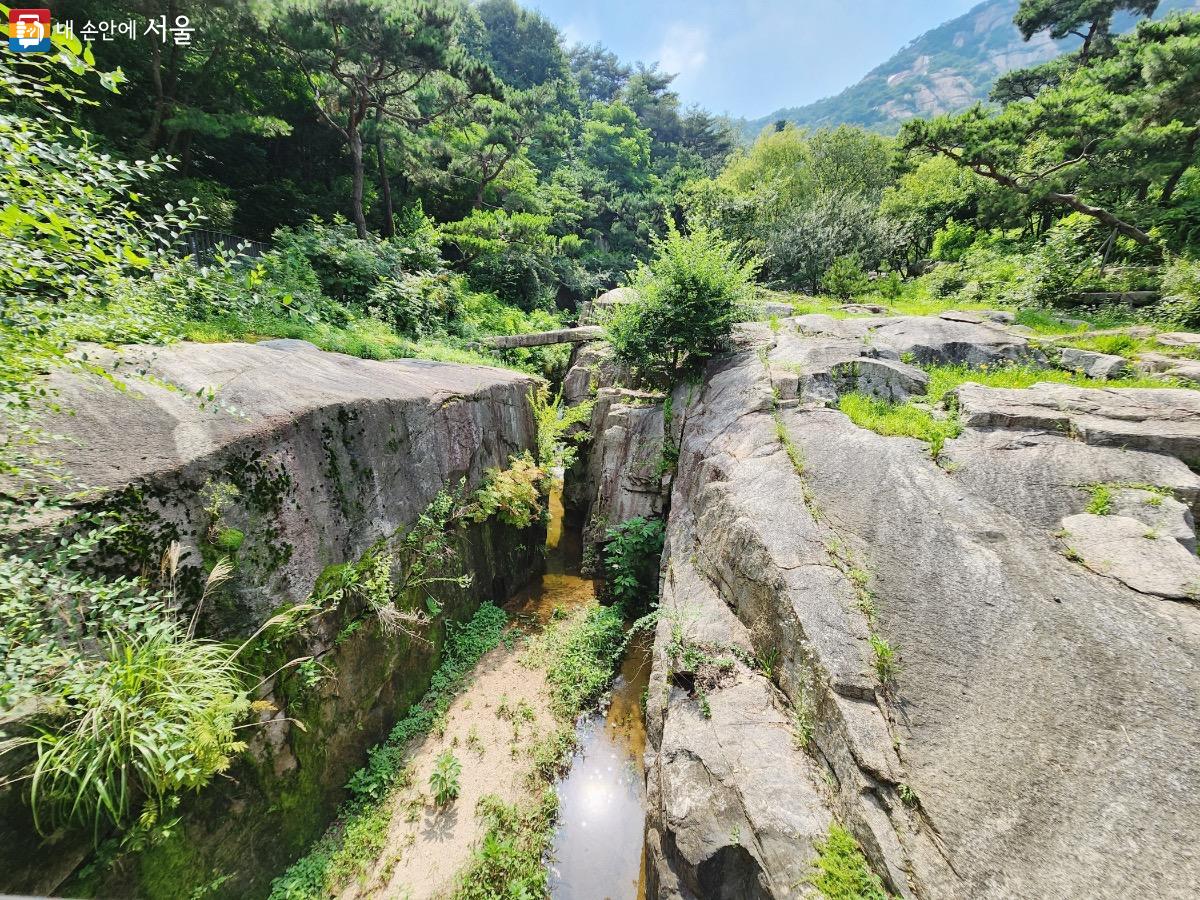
x=944 y=70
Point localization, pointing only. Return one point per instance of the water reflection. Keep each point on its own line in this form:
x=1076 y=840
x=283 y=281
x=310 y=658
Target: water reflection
x=598 y=847
x=597 y=852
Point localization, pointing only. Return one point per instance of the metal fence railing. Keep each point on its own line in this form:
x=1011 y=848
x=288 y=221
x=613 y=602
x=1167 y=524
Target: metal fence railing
x=203 y=244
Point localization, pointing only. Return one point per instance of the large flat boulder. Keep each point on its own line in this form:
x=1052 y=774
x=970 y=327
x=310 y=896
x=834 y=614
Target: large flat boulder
x=327 y=452
x=826 y=368
x=947 y=341
x=928 y=340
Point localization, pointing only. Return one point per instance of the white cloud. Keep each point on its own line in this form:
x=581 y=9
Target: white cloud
x=572 y=34
x=684 y=50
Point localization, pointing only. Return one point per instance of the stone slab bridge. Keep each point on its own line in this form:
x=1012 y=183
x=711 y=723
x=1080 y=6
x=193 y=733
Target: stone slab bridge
x=545 y=338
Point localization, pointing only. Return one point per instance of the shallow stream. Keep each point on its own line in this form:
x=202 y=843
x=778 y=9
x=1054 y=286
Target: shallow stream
x=598 y=848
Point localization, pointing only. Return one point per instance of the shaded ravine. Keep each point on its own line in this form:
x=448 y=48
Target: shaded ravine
x=597 y=852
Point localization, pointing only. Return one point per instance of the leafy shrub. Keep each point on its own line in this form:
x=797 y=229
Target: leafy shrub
x=1180 y=306
x=363 y=273
x=631 y=558
x=416 y=303
x=277 y=285
x=512 y=494
x=807 y=240
x=845 y=277
x=890 y=286
x=510 y=254
x=952 y=241
x=689 y=298
x=443 y=780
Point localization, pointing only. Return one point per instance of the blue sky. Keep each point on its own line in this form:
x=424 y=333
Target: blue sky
x=750 y=57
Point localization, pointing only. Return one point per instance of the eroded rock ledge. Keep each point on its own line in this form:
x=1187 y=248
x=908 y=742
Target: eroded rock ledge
x=329 y=453
x=1039 y=738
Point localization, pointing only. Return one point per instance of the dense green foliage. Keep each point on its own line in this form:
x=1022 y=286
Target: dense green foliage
x=689 y=298
x=388 y=110
x=1081 y=180
x=631 y=556
x=508 y=863
x=579 y=656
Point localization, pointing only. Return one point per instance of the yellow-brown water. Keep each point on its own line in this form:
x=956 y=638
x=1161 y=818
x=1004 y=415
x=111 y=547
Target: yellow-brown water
x=602 y=815
x=598 y=847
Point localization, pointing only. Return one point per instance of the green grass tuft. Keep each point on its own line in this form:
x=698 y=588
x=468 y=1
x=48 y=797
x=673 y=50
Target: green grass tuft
x=365 y=338
x=841 y=871
x=899 y=420
x=887 y=665
x=1101 y=501
x=230 y=540
x=944 y=379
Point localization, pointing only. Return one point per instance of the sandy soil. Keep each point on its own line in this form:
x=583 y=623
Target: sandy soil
x=427 y=846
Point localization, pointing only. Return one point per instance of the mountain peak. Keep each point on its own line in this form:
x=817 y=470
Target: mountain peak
x=944 y=70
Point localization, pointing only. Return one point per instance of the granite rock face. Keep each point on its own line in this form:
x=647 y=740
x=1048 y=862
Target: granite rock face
x=1157 y=420
x=1134 y=554
x=328 y=453
x=1046 y=674
x=1092 y=364
x=624 y=467
x=929 y=340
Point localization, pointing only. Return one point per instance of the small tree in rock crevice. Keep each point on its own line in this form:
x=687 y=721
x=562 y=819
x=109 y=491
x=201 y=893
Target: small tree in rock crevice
x=631 y=559
x=689 y=298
